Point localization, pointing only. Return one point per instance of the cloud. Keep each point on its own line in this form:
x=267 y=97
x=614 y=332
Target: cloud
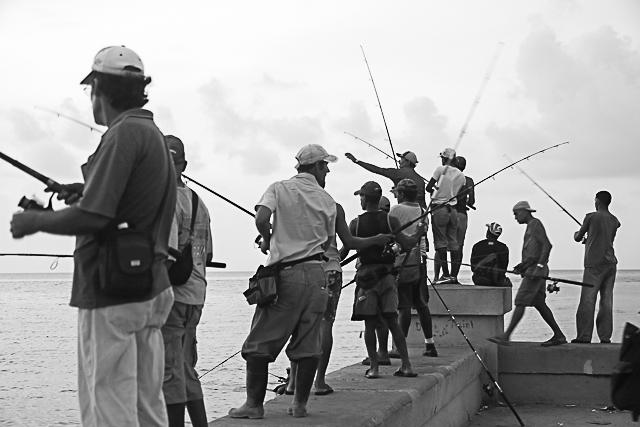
x=26 y=128
x=269 y=82
x=585 y=91
x=426 y=124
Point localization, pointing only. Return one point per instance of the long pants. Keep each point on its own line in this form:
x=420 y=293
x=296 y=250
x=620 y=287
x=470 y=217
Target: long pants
x=602 y=278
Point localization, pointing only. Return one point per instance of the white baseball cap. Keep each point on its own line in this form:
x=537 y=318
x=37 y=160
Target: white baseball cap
x=116 y=60
x=448 y=153
x=312 y=153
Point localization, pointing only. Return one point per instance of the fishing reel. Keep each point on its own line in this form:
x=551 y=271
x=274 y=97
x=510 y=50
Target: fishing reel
x=391 y=250
x=34 y=205
x=553 y=287
x=487 y=388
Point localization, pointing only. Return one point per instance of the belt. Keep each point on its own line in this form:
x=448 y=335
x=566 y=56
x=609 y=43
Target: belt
x=440 y=206
x=316 y=257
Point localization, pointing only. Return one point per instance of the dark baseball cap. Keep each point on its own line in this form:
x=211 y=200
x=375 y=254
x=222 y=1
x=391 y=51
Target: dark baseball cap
x=370 y=188
x=176 y=147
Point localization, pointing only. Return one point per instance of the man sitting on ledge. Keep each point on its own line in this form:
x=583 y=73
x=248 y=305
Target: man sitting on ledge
x=489 y=259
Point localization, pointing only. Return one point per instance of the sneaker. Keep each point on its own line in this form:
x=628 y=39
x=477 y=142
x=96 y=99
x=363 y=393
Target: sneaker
x=430 y=351
x=445 y=280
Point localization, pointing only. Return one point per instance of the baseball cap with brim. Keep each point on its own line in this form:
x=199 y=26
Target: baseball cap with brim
x=370 y=188
x=495 y=228
x=406 y=184
x=116 y=60
x=176 y=147
x=312 y=153
x=523 y=206
x=410 y=156
x=448 y=153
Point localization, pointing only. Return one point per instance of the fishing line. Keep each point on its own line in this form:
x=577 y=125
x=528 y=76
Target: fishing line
x=371 y=145
x=543 y=190
x=184 y=176
x=379 y=105
x=477 y=355
x=466 y=191
x=476 y=101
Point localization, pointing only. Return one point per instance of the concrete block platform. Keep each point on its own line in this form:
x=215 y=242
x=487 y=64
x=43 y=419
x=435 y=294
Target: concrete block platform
x=560 y=375
x=446 y=393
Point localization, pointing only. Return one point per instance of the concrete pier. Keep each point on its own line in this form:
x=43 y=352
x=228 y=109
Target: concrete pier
x=446 y=393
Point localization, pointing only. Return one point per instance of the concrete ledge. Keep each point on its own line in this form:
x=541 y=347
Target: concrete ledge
x=565 y=374
x=470 y=299
x=447 y=392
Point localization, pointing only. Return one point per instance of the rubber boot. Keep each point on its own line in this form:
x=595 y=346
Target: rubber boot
x=197 y=413
x=257 y=377
x=175 y=413
x=304 y=380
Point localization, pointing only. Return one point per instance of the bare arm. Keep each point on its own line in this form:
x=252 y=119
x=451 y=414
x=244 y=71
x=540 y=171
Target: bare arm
x=263 y=224
x=579 y=235
x=68 y=222
x=471 y=200
x=344 y=251
x=541 y=235
x=430 y=185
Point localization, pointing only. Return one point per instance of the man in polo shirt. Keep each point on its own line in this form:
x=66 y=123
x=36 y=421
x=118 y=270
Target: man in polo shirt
x=444 y=186
x=129 y=178
x=303 y=227
x=182 y=388
x=408 y=162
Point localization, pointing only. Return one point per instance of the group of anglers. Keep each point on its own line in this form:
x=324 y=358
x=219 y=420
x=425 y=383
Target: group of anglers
x=136 y=350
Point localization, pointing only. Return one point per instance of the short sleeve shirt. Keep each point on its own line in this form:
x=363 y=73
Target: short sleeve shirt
x=193 y=292
x=304 y=218
x=130 y=177
x=397 y=175
x=449 y=181
x=600 y=235
x=405 y=212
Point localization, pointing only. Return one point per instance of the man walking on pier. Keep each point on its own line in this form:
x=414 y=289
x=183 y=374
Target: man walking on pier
x=599 y=270
x=533 y=268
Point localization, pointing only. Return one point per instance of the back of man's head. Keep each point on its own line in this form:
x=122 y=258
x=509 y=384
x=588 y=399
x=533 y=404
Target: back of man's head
x=408 y=190
x=461 y=163
x=604 y=197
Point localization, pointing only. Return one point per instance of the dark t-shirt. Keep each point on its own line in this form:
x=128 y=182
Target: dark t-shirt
x=126 y=178
x=492 y=254
x=397 y=175
x=371 y=224
x=602 y=228
x=465 y=196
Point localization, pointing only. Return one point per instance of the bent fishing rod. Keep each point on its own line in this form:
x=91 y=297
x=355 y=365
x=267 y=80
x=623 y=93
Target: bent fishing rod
x=466 y=191
x=484 y=366
x=543 y=190
x=476 y=101
x=500 y=270
x=186 y=177
x=371 y=145
x=379 y=105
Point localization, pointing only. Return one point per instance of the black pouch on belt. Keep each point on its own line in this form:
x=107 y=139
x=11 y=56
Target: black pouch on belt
x=263 y=286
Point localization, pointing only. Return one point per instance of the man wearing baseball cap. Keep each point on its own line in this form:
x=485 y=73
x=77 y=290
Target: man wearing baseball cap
x=408 y=162
x=534 y=270
x=191 y=232
x=376 y=292
x=490 y=259
x=444 y=186
x=297 y=221
x=129 y=179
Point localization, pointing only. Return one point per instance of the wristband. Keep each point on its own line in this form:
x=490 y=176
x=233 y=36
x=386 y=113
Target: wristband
x=540 y=265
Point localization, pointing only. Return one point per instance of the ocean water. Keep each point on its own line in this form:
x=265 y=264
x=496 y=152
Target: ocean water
x=38 y=340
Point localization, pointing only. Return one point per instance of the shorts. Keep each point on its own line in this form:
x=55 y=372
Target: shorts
x=479 y=280
x=302 y=301
x=532 y=291
x=413 y=295
x=334 y=284
x=181 y=383
x=462 y=228
x=444 y=223
x=381 y=299
x=121 y=363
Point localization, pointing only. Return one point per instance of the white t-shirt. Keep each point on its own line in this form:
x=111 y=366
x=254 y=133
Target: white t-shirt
x=405 y=212
x=449 y=181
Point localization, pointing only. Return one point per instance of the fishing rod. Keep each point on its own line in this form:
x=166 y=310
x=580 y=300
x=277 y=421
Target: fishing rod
x=221 y=363
x=43 y=255
x=476 y=101
x=186 y=177
x=51 y=184
x=486 y=369
x=379 y=105
x=370 y=145
x=466 y=191
x=500 y=270
x=543 y=190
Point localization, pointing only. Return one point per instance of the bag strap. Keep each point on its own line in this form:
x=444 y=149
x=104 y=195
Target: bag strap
x=194 y=209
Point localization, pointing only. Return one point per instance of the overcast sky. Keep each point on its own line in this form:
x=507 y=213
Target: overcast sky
x=245 y=84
